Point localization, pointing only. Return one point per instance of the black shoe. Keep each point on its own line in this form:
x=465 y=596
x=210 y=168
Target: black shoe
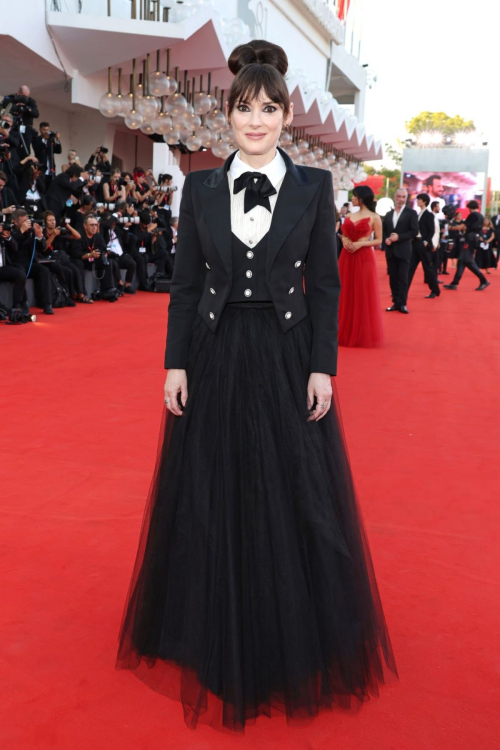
x=439 y=282
x=403 y=309
x=129 y=290
x=71 y=303
x=482 y=286
x=48 y=310
x=445 y=273
x=450 y=286
x=432 y=295
x=391 y=309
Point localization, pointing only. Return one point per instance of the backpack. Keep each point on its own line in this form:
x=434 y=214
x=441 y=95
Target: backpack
x=60 y=295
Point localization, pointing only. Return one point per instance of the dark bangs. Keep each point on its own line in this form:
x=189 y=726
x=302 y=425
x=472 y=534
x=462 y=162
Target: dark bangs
x=257 y=77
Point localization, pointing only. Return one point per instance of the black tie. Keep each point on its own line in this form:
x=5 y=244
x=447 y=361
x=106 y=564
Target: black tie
x=258 y=189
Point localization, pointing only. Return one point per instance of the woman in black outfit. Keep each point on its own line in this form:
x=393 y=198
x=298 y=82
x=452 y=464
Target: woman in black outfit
x=253 y=587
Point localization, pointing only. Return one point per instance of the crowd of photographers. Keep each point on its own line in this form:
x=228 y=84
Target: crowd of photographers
x=87 y=217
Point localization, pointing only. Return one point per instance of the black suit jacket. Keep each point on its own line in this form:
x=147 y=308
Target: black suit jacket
x=426 y=227
x=302 y=234
x=44 y=154
x=60 y=190
x=406 y=229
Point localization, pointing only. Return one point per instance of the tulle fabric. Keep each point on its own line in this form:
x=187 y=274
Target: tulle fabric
x=360 y=314
x=253 y=590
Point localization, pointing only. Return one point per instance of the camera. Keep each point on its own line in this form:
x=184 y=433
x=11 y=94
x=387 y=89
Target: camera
x=103 y=149
x=5 y=148
x=64 y=232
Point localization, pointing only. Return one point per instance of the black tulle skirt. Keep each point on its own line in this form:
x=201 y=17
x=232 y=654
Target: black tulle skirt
x=253 y=589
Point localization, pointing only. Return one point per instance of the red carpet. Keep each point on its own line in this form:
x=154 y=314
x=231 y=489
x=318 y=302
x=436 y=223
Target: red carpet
x=81 y=408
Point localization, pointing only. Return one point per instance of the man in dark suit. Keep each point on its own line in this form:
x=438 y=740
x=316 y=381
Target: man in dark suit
x=29 y=241
x=45 y=145
x=27 y=110
x=65 y=185
x=424 y=247
x=399 y=226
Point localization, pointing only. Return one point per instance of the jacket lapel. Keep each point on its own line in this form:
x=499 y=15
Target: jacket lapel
x=294 y=197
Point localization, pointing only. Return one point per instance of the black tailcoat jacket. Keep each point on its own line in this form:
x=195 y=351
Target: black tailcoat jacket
x=301 y=248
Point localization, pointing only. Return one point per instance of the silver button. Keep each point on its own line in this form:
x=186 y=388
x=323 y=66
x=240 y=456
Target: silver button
x=249 y=274
x=250 y=242
x=288 y=315
x=207 y=266
x=212 y=315
x=212 y=290
x=247 y=292
x=298 y=263
x=250 y=254
x=251 y=218
x=291 y=290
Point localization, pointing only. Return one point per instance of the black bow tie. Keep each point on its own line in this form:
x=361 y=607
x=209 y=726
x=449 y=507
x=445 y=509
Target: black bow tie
x=258 y=189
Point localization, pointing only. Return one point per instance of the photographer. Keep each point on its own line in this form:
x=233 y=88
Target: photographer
x=10 y=142
x=29 y=244
x=145 y=249
x=31 y=185
x=57 y=242
x=99 y=160
x=8 y=201
x=77 y=214
x=473 y=227
x=90 y=252
x=114 y=188
x=9 y=272
x=143 y=193
x=63 y=186
x=23 y=110
x=45 y=145
x=115 y=239
x=72 y=159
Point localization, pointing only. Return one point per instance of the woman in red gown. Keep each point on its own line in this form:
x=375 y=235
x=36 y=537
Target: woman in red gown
x=360 y=314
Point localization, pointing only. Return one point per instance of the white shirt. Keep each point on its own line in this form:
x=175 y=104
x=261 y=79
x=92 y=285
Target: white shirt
x=396 y=215
x=114 y=244
x=251 y=227
x=437 y=231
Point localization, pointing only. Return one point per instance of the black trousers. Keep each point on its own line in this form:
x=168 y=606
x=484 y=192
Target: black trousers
x=398 y=279
x=64 y=275
x=41 y=278
x=103 y=272
x=162 y=259
x=18 y=278
x=467 y=261
x=421 y=254
x=126 y=262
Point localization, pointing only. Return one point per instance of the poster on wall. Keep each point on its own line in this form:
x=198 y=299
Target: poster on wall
x=448 y=188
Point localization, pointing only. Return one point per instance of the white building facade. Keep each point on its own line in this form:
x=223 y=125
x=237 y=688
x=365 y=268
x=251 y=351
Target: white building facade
x=63 y=49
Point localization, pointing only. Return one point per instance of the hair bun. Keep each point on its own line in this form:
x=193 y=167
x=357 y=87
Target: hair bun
x=258 y=51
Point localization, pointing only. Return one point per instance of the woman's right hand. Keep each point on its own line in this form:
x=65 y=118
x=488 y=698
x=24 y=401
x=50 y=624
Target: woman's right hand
x=176 y=383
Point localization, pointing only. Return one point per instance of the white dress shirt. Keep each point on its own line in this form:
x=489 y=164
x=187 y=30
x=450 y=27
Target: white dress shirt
x=396 y=215
x=251 y=227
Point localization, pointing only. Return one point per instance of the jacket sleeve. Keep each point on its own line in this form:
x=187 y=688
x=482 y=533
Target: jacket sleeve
x=427 y=228
x=187 y=284
x=322 y=284
x=412 y=230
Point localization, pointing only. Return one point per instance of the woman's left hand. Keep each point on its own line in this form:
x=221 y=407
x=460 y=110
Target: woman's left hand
x=355 y=246
x=319 y=385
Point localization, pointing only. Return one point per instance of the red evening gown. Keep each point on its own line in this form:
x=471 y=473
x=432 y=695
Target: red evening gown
x=360 y=314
